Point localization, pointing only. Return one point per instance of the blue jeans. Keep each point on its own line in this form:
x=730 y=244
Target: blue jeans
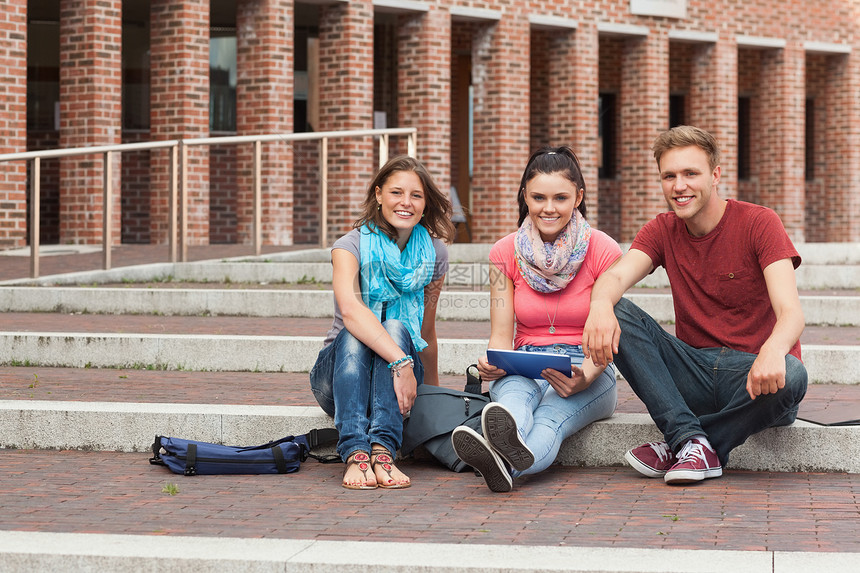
x=700 y=391
x=544 y=418
x=354 y=385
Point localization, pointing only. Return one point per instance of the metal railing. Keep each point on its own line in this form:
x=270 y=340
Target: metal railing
x=178 y=196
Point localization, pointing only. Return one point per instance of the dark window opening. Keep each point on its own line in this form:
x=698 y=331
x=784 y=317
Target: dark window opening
x=607 y=115
x=744 y=138
x=676 y=110
x=810 y=140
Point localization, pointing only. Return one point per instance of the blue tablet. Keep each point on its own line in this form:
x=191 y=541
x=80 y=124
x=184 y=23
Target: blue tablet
x=528 y=364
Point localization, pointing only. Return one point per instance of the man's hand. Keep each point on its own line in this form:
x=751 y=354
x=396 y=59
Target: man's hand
x=767 y=374
x=488 y=371
x=601 y=335
x=405 y=388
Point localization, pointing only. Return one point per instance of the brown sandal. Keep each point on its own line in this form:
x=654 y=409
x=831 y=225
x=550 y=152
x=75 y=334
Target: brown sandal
x=382 y=457
x=360 y=459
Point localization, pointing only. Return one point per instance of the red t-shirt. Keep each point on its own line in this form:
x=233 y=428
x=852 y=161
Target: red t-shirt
x=718 y=285
x=566 y=309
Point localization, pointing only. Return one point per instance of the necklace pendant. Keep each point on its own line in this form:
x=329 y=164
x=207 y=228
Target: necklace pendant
x=552 y=330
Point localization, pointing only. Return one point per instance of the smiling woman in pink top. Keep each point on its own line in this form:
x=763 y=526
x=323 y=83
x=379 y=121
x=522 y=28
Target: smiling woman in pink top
x=541 y=280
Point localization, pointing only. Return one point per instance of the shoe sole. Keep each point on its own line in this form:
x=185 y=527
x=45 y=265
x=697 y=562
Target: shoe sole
x=643 y=469
x=500 y=430
x=691 y=476
x=475 y=451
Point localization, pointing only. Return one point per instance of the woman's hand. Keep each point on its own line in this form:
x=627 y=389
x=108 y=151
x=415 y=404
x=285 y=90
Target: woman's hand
x=566 y=386
x=488 y=371
x=405 y=388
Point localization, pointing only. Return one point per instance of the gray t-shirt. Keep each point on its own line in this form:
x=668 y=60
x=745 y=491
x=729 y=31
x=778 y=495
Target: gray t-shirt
x=350 y=242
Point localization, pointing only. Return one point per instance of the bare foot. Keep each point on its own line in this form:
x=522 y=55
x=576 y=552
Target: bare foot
x=388 y=476
x=358 y=474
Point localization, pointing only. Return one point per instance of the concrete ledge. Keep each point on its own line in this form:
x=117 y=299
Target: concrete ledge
x=130 y=427
x=453 y=305
x=73 y=552
x=825 y=364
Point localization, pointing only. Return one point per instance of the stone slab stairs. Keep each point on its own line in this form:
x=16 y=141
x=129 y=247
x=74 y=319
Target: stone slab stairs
x=126 y=426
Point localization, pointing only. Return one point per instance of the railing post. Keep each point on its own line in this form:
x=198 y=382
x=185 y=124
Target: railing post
x=411 y=144
x=183 y=202
x=35 y=175
x=258 y=198
x=324 y=192
x=173 y=152
x=107 y=209
x=383 y=150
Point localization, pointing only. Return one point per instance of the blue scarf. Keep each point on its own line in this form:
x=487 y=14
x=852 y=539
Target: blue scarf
x=396 y=280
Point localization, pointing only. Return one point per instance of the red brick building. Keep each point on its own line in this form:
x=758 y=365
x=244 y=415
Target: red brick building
x=484 y=82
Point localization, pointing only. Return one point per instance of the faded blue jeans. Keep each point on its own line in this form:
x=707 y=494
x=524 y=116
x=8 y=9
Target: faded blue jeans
x=545 y=419
x=354 y=385
x=700 y=391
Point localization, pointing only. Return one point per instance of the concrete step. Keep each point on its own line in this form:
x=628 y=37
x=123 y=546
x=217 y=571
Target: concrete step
x=200 y=352
x=453 y=305
x=72 y=552
x=131 y=427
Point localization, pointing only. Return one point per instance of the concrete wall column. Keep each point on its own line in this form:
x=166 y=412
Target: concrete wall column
x=264 y=104
x=179 y=49
x=644 y=115
x=500 y=79
x=90 y=114
x=13 y=123
x=346 y=102
x=424 y=87
x=781 y=159
x=713 y=103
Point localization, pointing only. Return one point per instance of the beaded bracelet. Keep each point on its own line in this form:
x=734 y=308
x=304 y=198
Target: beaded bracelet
x=398 y=364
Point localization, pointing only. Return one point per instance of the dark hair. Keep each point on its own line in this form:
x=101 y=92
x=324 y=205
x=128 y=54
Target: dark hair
x=548 y=160
x=437 y=210
x=685 y=136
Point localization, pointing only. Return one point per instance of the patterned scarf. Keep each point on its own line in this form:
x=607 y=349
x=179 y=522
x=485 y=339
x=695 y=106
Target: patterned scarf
x=395 y=280
x=549 y=267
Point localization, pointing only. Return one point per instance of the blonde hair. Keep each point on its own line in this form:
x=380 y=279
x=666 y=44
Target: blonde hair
x=685 y=136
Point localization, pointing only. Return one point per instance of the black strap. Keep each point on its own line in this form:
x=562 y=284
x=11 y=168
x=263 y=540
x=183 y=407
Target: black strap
x=191 y=460
x=156 y=452
x=320 y=436
x=280 y=463
x=384 y=311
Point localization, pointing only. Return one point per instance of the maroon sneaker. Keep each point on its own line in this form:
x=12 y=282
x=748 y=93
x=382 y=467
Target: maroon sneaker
x=652 y=459
x=696 y=462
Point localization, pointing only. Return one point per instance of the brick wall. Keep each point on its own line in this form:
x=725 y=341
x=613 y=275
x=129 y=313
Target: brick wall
x=179 y=108
x=13 y=122
x=500 y=78
x=135 y=190
x=424 y=87
x=90 y=114
x=346 y=102
x=264 y=95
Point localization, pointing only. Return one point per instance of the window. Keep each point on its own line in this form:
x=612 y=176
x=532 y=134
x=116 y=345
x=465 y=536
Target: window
x=135 y=66
x=607 y=116
x=744 y=130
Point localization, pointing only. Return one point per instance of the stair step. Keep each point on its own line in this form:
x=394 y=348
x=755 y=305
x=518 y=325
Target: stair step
x=453 y=305
x=131 y=427
x=202 y=352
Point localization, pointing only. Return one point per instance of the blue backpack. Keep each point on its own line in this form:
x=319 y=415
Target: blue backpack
x=189 y=457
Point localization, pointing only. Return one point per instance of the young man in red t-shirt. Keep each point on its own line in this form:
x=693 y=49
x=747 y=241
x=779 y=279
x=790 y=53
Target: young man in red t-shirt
x=735 y=367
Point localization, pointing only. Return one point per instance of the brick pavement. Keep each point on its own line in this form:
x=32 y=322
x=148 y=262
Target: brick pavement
x=103 y=492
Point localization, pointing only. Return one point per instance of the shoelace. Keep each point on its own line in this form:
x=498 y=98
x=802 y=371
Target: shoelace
x=691 y=451
x=661 y=449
